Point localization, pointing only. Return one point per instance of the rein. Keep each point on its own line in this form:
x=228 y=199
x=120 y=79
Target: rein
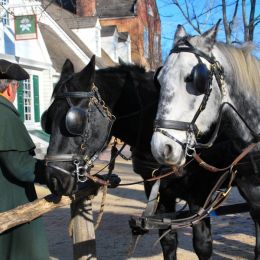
x=173 y=221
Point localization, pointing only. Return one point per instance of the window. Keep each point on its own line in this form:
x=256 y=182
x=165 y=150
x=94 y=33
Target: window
x=27 y=97
x=156 y=43
x=146 y=43
x=115 y=49
x=4 y=18
x=24 y=100
x=97 y=36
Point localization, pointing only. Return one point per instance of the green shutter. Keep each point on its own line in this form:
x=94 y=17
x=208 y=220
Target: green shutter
x=20 y=100
x=36 y=98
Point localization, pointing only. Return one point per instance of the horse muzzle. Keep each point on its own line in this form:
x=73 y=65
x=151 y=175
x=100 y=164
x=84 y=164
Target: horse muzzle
x=167 y=152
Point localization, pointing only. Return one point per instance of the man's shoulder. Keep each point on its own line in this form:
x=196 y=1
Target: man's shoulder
x=7 y=109
x=13 y=133
x=9 y=116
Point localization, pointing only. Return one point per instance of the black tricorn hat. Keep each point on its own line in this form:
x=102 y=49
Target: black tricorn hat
x=9 y=70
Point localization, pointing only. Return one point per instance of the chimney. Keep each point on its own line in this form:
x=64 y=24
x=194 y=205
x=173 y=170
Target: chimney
x=86 y=7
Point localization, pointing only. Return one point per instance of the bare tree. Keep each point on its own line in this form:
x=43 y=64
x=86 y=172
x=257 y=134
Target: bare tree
x=251 y=23
x=228 y=25
x=193 y=18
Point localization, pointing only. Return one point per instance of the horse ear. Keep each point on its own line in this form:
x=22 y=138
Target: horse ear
x=180 y=33
x=67 y=68
x=211 y=35
x=87 y=75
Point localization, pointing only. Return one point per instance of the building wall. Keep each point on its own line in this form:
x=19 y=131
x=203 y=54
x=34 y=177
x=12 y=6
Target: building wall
x=33 y=56
x=135 y=29
x=154 y=25
x=136 y=26
x=124 y=51
x=91 y=38
x=110 y=45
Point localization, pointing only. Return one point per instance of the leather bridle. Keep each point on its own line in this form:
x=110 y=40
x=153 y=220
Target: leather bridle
x=191 y=128
x=82 y=161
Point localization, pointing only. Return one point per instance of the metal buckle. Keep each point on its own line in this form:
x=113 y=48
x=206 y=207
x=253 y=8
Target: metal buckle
x=81 y=177
x=190 y=148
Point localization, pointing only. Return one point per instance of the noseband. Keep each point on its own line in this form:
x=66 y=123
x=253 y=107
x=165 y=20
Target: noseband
x=191 y=127
x=82 y=162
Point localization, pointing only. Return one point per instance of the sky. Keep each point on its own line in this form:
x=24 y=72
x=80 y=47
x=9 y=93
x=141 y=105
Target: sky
x=171 y=17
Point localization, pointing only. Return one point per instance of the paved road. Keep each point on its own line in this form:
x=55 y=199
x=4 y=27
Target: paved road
x=233 y=235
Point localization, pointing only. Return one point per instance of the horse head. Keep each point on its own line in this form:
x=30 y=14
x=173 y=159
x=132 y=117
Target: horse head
x=203 y=81
x=79 y=125
x=189 y=98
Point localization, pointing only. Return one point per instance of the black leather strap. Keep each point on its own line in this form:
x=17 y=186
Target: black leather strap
x=176 y=125
x=194 y=51
x=77 y=94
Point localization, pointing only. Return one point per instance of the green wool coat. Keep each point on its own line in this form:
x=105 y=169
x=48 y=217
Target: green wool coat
x=17 y=166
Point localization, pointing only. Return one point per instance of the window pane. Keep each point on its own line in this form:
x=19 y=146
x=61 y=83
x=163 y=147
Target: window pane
x=27 y=100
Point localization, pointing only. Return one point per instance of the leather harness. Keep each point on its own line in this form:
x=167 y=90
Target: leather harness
x=82 y=172
x=173 y=221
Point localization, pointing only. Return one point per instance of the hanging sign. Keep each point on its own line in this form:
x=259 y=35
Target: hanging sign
x=25 y=27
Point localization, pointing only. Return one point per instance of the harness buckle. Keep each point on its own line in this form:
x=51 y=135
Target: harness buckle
x=224 y=194
x=190 y=149
x=81 y=177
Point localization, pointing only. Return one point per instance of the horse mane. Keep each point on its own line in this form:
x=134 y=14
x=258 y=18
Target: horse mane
x=135 y=71
x=245 y=66
x=122 y=68
x=126 y=67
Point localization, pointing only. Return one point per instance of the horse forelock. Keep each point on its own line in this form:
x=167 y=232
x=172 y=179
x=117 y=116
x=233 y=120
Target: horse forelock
x=245 y=67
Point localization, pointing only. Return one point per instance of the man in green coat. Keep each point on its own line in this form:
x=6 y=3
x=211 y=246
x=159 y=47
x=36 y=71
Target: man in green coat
x=18 y=171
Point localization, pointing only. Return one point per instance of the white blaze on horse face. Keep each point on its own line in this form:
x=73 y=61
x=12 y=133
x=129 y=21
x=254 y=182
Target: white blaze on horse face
x=179 y=101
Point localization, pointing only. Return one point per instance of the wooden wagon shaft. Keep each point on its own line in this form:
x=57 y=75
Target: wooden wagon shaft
x=30 y=211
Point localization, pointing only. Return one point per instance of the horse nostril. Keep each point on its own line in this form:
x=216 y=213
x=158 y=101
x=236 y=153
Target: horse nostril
x=167 y=150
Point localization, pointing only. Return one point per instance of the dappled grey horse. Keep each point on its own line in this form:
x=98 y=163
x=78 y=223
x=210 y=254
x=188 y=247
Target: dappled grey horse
x=206 y=88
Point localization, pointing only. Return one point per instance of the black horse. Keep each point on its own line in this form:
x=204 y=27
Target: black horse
x=77 y=117
x=132 y=96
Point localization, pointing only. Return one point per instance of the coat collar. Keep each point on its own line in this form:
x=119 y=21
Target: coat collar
x=7 y=103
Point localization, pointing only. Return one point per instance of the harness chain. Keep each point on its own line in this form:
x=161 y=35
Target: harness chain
x=76 y=159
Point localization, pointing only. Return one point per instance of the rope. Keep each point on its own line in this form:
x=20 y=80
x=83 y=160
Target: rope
x=102 y=207
x=110 y=165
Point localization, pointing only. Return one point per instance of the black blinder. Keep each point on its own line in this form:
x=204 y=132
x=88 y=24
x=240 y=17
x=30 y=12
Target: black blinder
x=75 y=121
x=44 y=124
x=200 y=78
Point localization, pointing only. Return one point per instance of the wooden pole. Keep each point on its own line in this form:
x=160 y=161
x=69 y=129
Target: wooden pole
x=83 y=232
x=30 y=211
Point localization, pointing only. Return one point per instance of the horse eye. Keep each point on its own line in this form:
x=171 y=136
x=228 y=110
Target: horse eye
x=188 y=78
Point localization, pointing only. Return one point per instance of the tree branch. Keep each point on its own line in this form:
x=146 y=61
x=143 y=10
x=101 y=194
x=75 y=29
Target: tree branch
x=225 y=22
x=30 y=211
x=251 y=21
